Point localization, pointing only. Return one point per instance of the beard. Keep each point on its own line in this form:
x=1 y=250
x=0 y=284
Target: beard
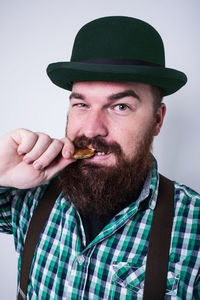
x=105 y=190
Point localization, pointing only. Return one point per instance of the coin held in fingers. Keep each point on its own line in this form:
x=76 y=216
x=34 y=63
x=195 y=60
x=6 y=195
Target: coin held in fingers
x=83 y=153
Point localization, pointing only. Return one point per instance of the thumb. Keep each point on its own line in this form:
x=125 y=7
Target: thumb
x=57 y=165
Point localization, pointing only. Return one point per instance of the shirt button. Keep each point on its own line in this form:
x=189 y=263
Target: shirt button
x=80 y=259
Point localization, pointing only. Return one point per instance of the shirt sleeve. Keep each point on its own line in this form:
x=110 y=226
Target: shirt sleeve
x=5 y=210
x=196 y=294
x=16 y=210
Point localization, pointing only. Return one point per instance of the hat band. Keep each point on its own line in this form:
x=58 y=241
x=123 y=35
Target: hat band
x=120 y=62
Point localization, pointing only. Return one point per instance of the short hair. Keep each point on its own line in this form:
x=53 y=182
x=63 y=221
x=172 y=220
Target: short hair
x=158 y=94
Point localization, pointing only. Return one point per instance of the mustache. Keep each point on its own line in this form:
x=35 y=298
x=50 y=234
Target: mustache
x=98 y=143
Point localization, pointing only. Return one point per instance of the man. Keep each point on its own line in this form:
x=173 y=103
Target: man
x=95 y=242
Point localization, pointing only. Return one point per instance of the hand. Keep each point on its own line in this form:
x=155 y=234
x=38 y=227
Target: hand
x=29 y=159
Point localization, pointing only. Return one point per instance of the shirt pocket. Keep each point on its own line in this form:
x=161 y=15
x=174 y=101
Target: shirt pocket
x=129 y=276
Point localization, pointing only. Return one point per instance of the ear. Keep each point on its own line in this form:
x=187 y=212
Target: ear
x=160 y=114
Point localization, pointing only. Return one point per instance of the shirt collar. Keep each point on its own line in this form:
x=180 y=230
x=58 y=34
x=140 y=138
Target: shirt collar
x=154 y=185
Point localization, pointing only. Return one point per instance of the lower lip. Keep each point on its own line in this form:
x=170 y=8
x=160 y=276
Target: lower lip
x=100 y=157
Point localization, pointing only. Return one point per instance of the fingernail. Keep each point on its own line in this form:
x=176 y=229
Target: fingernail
x=37 y=165
x=27 y=160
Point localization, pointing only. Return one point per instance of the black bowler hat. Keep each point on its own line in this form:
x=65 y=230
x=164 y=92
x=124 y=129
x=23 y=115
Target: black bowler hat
x=117 y=48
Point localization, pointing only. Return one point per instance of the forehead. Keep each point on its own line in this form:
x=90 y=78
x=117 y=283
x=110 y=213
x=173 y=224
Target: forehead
x=107 y=88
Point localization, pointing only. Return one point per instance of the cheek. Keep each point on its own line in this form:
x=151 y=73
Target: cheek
x=71 y=127
x=129 y=144
x=127 y=139
x=130 y=140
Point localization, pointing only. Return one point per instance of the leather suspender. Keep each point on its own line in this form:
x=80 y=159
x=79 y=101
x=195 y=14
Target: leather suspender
x=159 y=243
x=36 y=225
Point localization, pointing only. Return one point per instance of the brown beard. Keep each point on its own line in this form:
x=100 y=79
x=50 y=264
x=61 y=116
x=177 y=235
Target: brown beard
x=101 y=190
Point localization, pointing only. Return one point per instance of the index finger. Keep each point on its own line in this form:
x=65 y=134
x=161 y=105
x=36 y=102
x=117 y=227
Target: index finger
x=68 y=148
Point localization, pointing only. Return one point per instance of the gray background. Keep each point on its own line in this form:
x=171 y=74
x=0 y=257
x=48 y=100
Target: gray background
x=35 y=33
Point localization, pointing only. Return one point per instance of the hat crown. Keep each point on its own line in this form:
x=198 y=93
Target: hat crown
x=117 y=48
x=118 y=38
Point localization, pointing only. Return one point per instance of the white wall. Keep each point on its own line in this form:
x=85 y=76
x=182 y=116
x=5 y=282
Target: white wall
x=35 y=33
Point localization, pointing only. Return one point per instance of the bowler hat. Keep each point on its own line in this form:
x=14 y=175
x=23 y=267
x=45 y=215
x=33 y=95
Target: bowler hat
x=117 y=48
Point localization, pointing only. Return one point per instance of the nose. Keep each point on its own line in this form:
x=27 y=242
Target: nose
x=95 y=124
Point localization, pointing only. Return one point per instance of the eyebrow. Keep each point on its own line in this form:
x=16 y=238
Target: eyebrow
x=117 y=96
x=76 y=96
x=126 y=93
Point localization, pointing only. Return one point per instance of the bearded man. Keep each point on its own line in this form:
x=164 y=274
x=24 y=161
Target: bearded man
x=96 y=240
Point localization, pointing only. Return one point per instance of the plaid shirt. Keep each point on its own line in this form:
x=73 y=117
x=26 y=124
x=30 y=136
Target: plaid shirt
x=112 y=266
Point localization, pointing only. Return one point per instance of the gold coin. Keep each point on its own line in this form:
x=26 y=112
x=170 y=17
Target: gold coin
x=83 y=153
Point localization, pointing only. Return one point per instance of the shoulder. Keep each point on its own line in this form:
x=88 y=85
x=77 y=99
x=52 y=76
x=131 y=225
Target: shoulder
x=23 y=204
x=186 y=195
x=187 y=206
x=27 y=199
x=184 y=254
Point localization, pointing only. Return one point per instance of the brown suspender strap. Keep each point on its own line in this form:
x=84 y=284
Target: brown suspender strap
x=36 y=225
x=159 y=244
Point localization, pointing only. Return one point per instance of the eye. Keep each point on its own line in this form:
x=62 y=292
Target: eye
x=121 y=107
x=80 y=105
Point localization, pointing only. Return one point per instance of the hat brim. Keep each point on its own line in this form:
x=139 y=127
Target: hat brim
x=63 y=74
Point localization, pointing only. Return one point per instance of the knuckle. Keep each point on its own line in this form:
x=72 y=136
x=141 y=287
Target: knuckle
x=45 y=138
x=30 y=137
x=46 y=158
x=51 y=153
x=27 y=140
x=67 y=144
x=43 y=161
x=57 y=145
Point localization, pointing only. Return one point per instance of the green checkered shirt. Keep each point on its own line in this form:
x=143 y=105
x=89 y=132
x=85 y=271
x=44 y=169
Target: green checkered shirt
x=112 y=266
